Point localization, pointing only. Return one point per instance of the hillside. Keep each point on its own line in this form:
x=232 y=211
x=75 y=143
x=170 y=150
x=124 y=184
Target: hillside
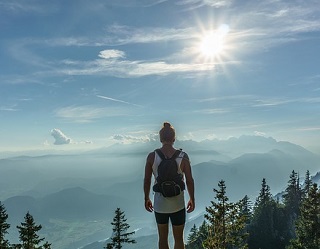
x=74 y=196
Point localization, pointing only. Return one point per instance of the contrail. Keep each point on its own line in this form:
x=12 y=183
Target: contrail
x=117 y=100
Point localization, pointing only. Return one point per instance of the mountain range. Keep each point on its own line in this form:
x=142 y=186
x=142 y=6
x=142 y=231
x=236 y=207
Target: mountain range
x=74 y=196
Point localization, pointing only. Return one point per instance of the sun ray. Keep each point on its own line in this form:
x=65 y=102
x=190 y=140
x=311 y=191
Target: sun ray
x=212 y=42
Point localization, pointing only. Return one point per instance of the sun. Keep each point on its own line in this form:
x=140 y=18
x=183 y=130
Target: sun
x=213 y=42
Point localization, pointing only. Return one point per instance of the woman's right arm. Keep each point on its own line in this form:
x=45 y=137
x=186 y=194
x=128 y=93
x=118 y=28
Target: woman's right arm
x=190 y=184
x=147 y=182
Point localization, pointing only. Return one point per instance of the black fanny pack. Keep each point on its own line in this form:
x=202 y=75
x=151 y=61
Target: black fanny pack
x=168 y=188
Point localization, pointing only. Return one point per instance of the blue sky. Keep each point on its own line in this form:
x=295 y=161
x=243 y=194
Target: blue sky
x=83 y=74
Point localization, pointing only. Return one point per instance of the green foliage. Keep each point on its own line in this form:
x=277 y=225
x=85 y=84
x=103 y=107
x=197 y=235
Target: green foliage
x=308 y=224
x=192 y=237
x=292 y=200
x=292 y=196
x=293 y=224
x=28 y=234
x=120 y=227
x=266 y=229
x=4 y=226
x=197 y=236
x=226 y=222
x=246 y=208
x=307 y=185
x=293 y=193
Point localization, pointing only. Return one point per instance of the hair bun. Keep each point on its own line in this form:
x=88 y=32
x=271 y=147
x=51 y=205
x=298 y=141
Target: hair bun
x=166 y=124
x=167 y=133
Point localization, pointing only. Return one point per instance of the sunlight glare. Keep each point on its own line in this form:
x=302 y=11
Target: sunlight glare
x=213 y=42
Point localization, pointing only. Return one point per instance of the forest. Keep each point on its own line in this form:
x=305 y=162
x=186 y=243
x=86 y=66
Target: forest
x=289 y=220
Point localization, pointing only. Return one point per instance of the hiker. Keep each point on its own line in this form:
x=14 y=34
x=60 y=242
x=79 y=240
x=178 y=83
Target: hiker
x=169 y=202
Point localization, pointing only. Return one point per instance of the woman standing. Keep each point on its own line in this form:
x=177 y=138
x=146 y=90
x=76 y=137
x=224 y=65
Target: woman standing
x=169 y=208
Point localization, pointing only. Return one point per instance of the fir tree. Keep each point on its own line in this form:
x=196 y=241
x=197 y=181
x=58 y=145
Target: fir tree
x=202 y=234
x=226 y=224
x=308 y=224
x=292 y=195
x=197 y=236
x=192 y=237
x=120 y=227
x=109 y=246
x=292 y=200
x=245 y=209
x=246 y=213
x=4 y=226
x=46 y=245
x=263 y=231
x=307 y=184
x=28 y=234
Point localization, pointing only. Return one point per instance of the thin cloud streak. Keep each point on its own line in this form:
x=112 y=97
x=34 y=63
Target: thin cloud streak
x=130 y=69
x=21 y=7
x=123 y=35
x=8 y=109
x=88 y=114
x=212 y=111
x=117 y=100
x=200 y=3
x=309 y=129
x=259 y=101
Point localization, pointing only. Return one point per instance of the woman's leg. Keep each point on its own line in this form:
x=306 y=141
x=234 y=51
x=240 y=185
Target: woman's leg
x=163 y=230
x=178 y=236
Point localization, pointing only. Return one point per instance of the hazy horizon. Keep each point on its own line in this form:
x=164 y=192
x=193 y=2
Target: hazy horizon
x=73 y=195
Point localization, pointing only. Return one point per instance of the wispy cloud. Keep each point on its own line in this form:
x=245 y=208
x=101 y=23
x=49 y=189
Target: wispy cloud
x=115 y=35
x=228 y=98
x=259 y=101
x=117 y=100
x=128 y=69
x=271 y=102
x=8 y=109
x=258 y=26
x=309 y=129
x=86 y=114
x=284 y=100
x=201 y=3
x=125 y=34
x=259 y=133
x=213 y=111
x=127 y=139
x=17 y=6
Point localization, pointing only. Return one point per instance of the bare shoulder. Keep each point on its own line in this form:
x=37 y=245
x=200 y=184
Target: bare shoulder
x=185 y=157
x=150 y=157
x=185 y=163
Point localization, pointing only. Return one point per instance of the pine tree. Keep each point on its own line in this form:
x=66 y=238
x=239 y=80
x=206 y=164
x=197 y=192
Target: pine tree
x=262 y=226
x=109 y=246
x=120 y=227
x=226 y=224
x=28 y=234
x=192 y=237
x=46 y=245
x=246 y=213
x=307 y=184
x=245 y=209
x=197 y=236
x=202 y=234
x=292 y=201
x=308 y=224
x=4 y=226
x=292 y=195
